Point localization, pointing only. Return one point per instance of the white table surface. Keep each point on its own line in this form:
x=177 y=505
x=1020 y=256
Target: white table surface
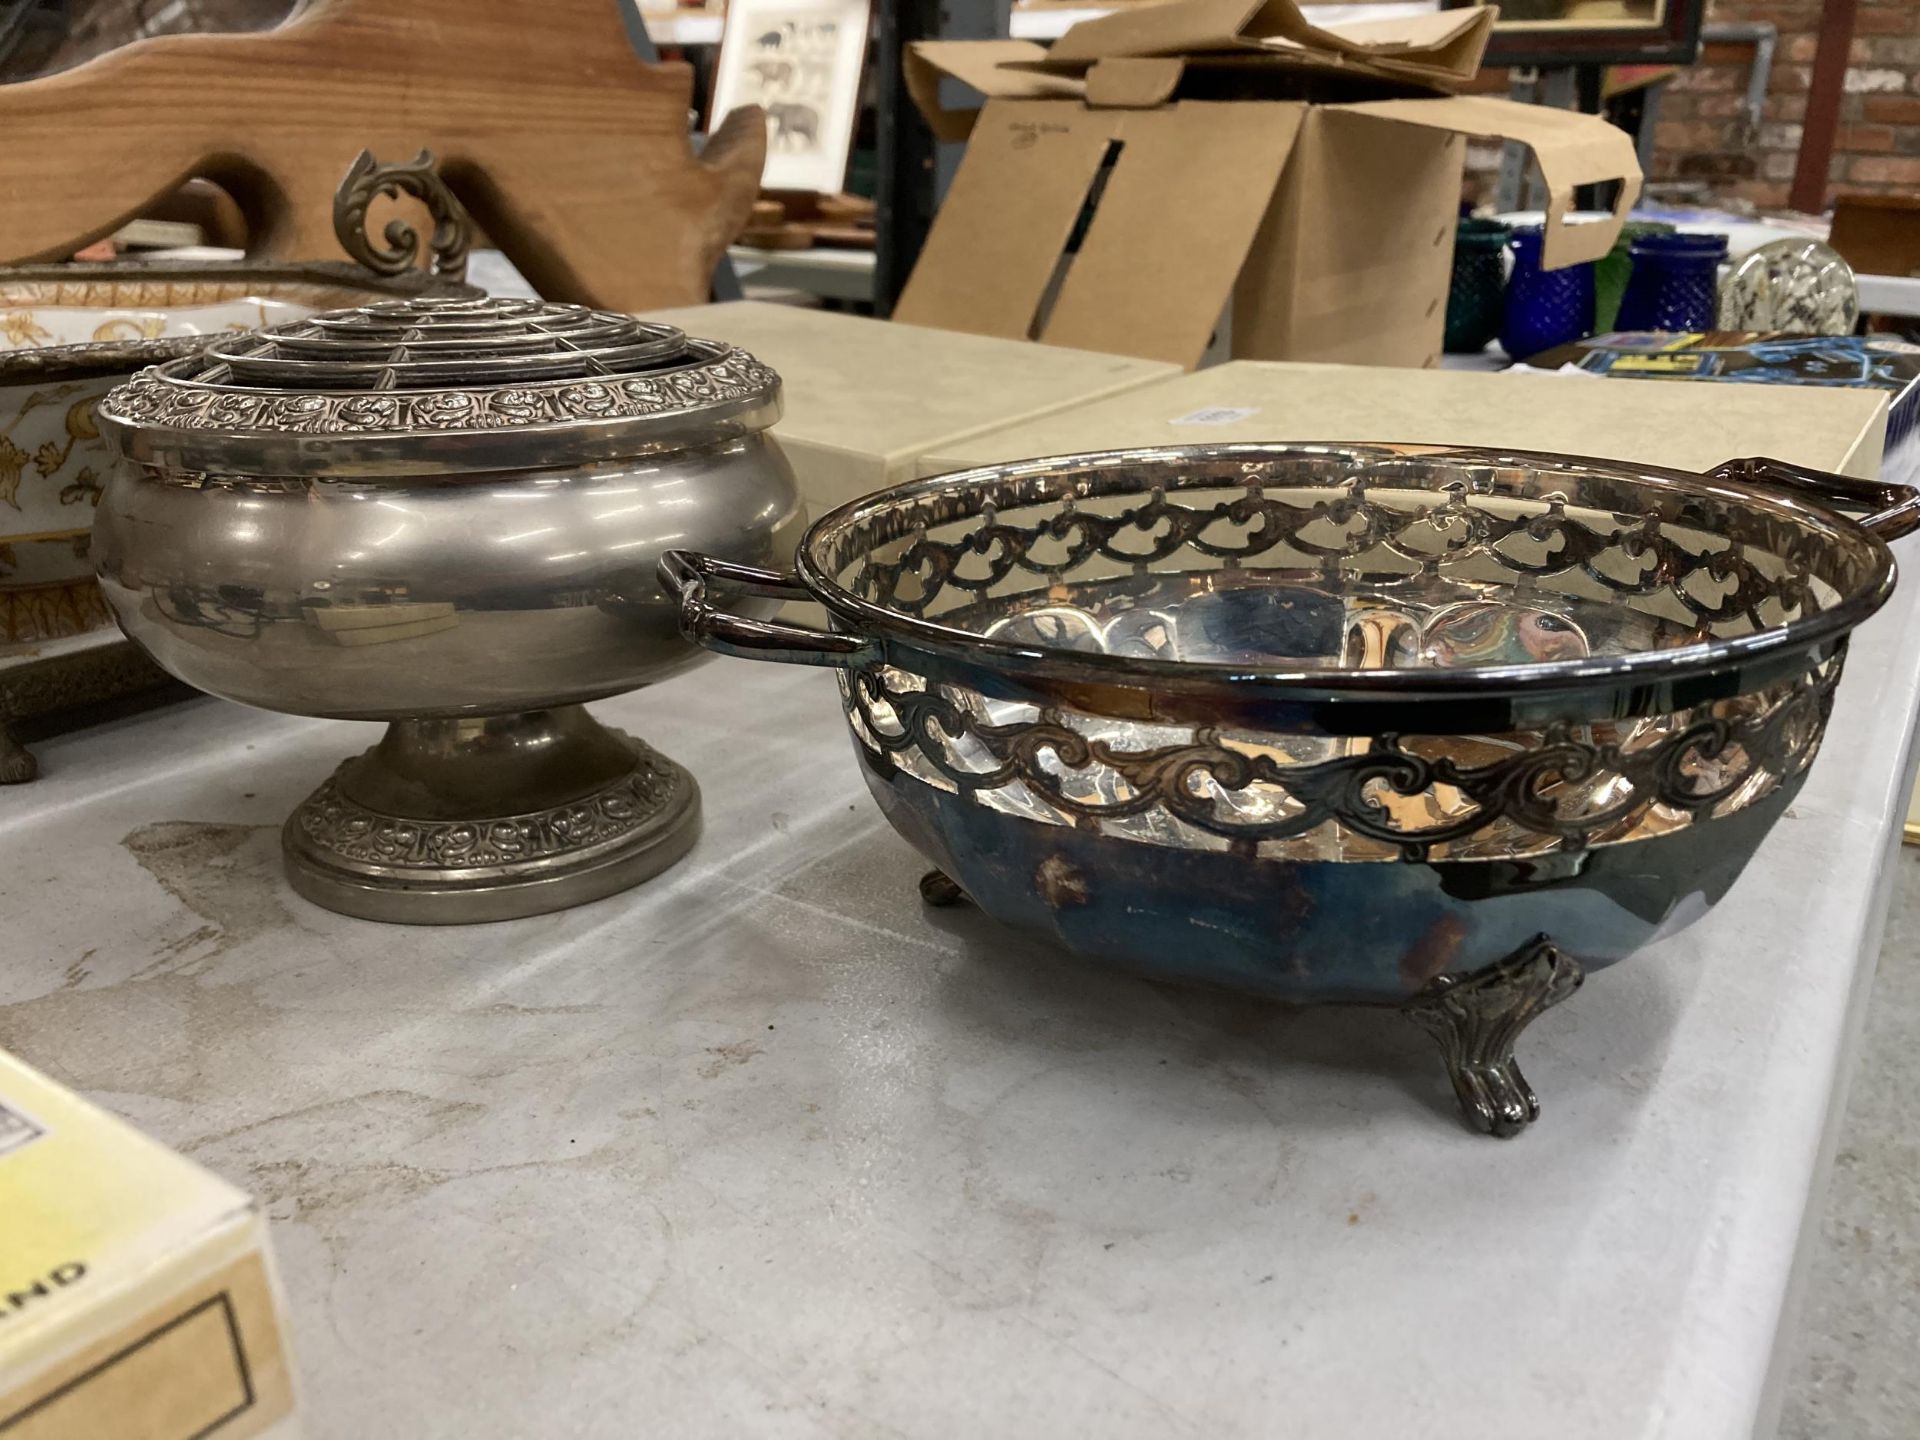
x=764 y=1148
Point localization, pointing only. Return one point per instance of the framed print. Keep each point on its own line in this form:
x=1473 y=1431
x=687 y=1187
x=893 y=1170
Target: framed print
x=800 y=60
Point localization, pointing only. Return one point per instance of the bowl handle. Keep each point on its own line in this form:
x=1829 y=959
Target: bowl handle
x=685 y=575
x=1892 y=510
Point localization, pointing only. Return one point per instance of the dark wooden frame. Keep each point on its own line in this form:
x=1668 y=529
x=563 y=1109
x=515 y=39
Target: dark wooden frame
x=1674 y=40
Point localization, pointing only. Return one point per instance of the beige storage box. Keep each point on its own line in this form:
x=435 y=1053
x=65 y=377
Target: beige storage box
x=866 y=399
x=1686 y=426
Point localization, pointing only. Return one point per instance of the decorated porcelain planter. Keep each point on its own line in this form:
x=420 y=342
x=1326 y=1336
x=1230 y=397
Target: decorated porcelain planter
x=68 y=335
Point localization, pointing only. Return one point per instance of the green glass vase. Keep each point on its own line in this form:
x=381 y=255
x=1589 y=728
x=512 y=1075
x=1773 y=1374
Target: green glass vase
x=1477 y=296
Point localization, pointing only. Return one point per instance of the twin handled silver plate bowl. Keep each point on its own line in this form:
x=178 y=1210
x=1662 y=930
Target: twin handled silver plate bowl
x=1431 y=727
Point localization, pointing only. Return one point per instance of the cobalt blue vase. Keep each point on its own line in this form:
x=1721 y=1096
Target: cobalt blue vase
x=1675 y=284
x=1545 y=308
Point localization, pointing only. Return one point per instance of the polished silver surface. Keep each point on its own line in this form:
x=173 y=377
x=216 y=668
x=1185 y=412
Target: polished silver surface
x=472 y=597
x=1751 y=559
x=1123 y=641
x=53 y=388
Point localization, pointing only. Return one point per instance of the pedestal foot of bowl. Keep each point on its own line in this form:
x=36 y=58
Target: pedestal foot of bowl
x=17 y=765
x=938 y=888
x=1478 y=1017
x=447 y=822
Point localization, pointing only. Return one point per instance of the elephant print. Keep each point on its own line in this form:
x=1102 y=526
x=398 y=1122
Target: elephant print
x=795 y=68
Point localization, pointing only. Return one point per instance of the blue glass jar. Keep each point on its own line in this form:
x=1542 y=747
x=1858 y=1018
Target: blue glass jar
x=1675 y=284
x=1545 y=308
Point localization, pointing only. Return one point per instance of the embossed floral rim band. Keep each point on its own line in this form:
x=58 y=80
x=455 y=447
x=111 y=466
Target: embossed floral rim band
x=173 y=428
x=621 y=385
x=412 y=870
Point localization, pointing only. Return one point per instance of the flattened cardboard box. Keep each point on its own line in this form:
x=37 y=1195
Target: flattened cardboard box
x=1441 y=50
x=1326 y=227
x=137 y=1296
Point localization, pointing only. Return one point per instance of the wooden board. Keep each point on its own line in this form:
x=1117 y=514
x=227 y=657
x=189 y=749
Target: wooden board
x=571 y=152
x=1878 y=234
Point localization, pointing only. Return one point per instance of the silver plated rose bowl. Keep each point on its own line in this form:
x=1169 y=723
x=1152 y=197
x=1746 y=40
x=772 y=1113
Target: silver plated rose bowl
x=445 y=515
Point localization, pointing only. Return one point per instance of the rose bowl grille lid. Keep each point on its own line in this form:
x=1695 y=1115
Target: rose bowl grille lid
x=414 y=345
x=424 y=386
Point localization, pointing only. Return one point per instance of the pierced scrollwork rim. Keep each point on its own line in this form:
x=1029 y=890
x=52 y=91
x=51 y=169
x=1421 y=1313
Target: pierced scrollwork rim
x=1005 y=548
x=836 y=539
x=1780 y=742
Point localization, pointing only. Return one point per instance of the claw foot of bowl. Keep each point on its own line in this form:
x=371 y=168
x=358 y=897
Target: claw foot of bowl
x=17 y=765
x=938 y=888
x=1478 y=1017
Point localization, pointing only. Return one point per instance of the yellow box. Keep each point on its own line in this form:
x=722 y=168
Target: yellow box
x=137 y=1294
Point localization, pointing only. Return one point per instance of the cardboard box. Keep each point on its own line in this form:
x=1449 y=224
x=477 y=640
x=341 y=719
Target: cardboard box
x=865 y=399
x=1242 y=161
x=1838 y=430
x=137 y=1296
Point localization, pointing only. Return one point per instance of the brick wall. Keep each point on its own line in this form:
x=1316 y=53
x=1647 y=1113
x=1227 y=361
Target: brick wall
x=1703 y=134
